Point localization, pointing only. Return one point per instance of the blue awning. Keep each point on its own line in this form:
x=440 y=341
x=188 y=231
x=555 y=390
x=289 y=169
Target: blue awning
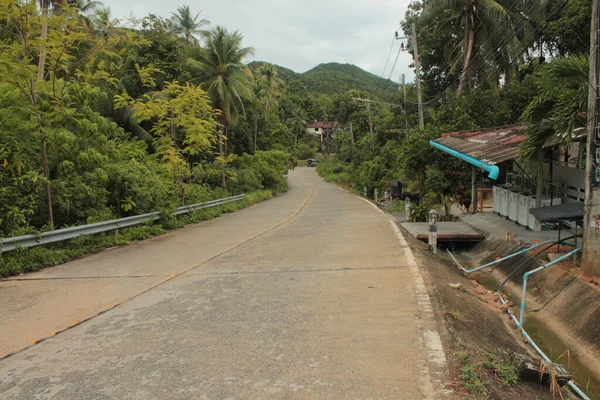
x=493 y=170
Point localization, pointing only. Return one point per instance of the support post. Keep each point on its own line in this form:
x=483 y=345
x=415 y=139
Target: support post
x=352 y=142
x=418 y=76
x=407 y=208
x=371 y=126
x=591 y=234
x=375 y=195
x=364 y=191
x=473 y=190
x=432 y=242
x=405 y=109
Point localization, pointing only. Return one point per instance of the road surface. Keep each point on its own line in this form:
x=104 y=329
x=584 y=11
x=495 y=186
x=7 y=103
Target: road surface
x=310 y=295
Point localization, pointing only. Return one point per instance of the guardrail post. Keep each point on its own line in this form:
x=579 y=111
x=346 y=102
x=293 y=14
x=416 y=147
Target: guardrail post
x=375 y=195
x=433 y=220
x=365 y=191
x=407 y=208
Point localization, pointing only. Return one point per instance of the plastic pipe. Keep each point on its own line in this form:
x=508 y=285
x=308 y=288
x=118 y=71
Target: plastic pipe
x=493 y=171
x=538 y=269
x=531 y=258
x=571 y=384
x=469 y=271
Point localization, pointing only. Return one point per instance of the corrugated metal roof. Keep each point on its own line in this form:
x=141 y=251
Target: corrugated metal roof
x=492 y=146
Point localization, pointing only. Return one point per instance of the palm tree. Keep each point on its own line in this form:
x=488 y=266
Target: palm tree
x=271 y=83
x=493 y=30
x=558 y=109
x=102 y=21
x=227 y=79
x=81 y=6
x=186 y=26
x=258 y=103
x=84 y=7
x=298 y=123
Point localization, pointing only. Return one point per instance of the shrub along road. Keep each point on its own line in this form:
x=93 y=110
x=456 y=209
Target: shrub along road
x=308 y=295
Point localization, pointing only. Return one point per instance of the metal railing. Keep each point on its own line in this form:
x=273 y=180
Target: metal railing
x=73 y=232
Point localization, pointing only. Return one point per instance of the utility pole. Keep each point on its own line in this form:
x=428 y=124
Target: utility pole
x=352 y=138
x=368 y=101
x=405 y=109
x=371 y=125
x=418 y=74
x=591 y=229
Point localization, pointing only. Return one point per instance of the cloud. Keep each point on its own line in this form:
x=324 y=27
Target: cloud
x=302 y=34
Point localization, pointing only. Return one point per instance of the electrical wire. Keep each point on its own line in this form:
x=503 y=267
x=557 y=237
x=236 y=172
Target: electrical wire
x=388 y=57
x=481 y=65
x=534 y=35
x=395 y=61
x=558 y=242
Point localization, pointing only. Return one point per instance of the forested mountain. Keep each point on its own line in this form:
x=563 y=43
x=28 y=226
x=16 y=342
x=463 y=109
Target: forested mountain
x=335 y=78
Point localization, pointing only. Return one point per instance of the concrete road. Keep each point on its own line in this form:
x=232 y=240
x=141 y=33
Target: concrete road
x=311 y=295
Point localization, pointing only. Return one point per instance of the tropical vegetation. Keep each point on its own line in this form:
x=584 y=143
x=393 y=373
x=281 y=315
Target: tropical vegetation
x=103 y=118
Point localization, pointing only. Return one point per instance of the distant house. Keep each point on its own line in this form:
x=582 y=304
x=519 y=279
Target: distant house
x=323 y=129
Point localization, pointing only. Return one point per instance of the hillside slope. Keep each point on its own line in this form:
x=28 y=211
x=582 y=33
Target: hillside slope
x=334 y=78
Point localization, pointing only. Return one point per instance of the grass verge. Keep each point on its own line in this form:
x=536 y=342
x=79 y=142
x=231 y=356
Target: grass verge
x=22 y=260
x=479 y=371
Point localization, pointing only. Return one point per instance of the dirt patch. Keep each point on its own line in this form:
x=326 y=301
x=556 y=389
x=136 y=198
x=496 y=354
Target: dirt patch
x=476 y=329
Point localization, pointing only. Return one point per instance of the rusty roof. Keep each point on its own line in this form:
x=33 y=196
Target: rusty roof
x=492 y=146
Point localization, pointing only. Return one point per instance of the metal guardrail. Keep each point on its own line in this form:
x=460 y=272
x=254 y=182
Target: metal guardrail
x=60 y=235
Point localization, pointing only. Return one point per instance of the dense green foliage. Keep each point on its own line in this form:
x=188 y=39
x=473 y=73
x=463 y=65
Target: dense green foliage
x=101 y=119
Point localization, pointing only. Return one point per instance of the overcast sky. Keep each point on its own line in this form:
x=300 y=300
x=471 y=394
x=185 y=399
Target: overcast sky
x=303 y=33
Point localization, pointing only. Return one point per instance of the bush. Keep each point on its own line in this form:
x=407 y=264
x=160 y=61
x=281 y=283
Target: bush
x=264 y=169
x=419 y=212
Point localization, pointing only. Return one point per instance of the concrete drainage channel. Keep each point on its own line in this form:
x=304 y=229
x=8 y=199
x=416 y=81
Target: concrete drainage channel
x=537 y=342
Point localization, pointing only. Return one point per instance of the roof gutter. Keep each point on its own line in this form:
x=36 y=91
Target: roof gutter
x=492 y=170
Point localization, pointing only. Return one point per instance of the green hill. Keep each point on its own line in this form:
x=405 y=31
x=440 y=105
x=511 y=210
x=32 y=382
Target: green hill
x=333 y=78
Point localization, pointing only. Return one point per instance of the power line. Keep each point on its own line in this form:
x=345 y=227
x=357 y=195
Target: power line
x=481 y=64
x=395 y=61
x=533 y=33
x=388 y=57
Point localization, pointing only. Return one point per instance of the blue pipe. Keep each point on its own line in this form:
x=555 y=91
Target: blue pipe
x=538 y=269
x=493 y=170
x=571 y=384
x=469 y=271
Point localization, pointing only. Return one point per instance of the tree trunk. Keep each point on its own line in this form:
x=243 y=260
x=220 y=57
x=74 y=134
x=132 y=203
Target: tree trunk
x=222 y=154
x=225 y=141
x=46 y=173
x=255 y=131
x=43 y=35
x=181 y=190
x=467 y=66
x=45 y=4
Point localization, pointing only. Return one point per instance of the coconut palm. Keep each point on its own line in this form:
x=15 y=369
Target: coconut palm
x=271 y=84
x=494 y=32
x=554 y=114
x=187 y=26
x=560 y=106
x=102 y=21
x=257 y=92
x=298 y=123
x=81 y=6
x=227 y=79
